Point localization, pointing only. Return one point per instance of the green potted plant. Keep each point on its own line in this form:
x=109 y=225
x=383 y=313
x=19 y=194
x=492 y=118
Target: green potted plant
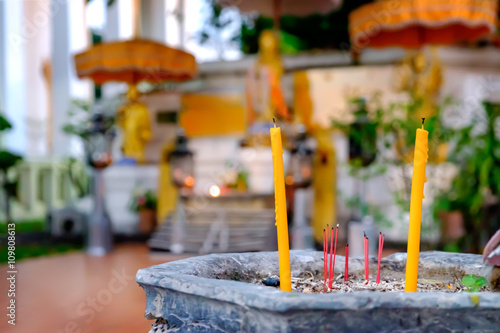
x=476 y=188
x=144 y=203
x=7 y=161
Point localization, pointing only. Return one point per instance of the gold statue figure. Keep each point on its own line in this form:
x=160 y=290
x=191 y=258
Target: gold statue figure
x=133 y=118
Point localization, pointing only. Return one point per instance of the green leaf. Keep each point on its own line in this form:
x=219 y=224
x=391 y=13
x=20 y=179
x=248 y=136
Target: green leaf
x=4 y=124
x=480 y=282
x=474 y=289
x=468 y=280
x=8 y=160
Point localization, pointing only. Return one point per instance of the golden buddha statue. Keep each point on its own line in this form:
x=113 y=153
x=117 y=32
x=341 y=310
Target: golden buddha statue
x=133 y=118
x=263 y=84
x=421 y=77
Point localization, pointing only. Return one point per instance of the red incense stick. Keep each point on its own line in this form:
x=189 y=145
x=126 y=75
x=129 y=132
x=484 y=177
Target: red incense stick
x=367 y=277
x=332 y=263
x=324 y=255
x=378 y=264
x=326 y=249
x=380 y=248
x=346 y=270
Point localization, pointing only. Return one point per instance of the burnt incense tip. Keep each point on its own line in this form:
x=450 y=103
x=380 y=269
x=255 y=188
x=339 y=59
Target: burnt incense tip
x=347 y=244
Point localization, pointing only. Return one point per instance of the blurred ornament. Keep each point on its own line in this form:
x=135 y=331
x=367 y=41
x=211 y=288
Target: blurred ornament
x=182 y=163
x=299 y=173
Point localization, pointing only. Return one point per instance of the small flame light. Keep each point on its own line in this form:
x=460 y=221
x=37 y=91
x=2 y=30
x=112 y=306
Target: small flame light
x=214 y=191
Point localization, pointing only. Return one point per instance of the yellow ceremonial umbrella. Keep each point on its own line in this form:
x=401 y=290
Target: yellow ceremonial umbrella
x=414 y=23
x=133 y=61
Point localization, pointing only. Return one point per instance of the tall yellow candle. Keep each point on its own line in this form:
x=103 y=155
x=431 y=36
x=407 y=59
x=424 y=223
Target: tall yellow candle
x=280 y=209
x=417 y=195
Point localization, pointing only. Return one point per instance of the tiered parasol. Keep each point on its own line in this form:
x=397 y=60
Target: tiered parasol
x=133 y=61
x=414 y=23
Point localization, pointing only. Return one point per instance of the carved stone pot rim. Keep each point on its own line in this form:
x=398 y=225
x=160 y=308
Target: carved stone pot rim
x=196 y=277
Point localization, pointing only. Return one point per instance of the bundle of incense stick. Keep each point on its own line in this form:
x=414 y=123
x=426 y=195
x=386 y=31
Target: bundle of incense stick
x=329 y=254
x=332 y=263
x=367 y=268
x=380 y=248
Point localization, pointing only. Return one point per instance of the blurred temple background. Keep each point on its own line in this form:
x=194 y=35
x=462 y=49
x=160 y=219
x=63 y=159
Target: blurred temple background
x=126 y=121
x=189 y=153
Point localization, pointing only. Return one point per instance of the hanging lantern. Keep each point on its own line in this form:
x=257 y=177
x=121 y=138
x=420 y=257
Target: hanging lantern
x=182 y=163
x=98 y=141
x=299 y=173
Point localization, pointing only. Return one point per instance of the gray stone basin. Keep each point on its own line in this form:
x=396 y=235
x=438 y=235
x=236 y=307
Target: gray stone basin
x=209 y=294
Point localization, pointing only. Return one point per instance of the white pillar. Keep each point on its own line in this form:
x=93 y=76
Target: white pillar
x=119 y=26
x=119 y=21
x=36 y=22
x=12 y=73
x=153 y=22
x=175 y=10
x=69 y=36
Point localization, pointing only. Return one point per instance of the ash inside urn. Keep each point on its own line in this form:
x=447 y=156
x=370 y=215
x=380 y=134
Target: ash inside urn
x=308 y=283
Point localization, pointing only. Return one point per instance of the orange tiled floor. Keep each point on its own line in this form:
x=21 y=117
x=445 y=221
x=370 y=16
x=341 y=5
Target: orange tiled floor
x=76 y=293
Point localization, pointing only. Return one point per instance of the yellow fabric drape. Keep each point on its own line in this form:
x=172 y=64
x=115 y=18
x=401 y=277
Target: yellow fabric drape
x=216 y=114
x=324 y=165
x=324 y=184
x=167 y=192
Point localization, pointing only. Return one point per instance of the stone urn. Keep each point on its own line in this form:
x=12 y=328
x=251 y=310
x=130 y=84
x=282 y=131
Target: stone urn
x=215 y=293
